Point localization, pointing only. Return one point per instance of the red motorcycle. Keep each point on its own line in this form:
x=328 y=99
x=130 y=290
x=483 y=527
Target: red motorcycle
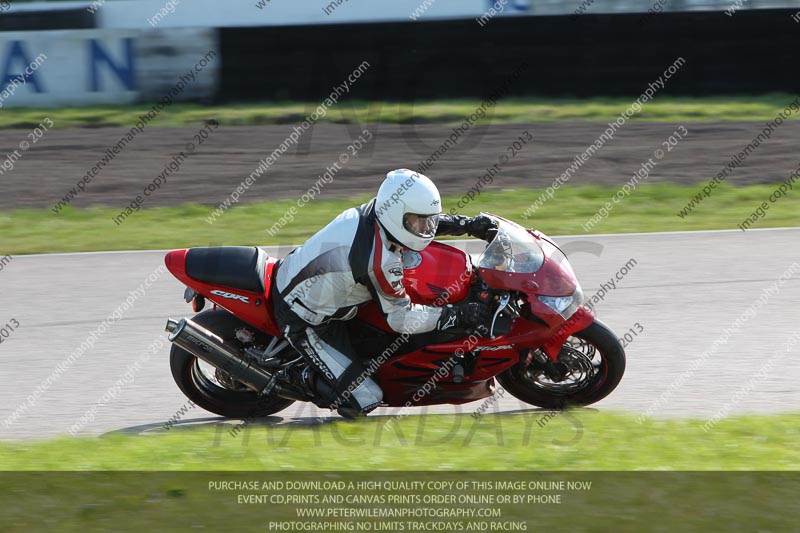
x=542 y=346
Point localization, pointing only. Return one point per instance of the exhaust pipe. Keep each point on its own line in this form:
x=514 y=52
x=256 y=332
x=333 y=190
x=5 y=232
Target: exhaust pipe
x=209 y=347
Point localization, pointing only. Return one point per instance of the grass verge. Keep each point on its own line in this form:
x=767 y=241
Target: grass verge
x=176 y=481
x=651 y=207
x=663 y=109
x=533 y=440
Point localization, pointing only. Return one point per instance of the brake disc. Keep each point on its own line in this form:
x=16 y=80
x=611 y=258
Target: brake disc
x=574 y=367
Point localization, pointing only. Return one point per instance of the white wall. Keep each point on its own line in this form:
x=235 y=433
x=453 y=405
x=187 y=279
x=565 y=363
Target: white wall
x=118 y=66
x=126 y=14
x=227 y=13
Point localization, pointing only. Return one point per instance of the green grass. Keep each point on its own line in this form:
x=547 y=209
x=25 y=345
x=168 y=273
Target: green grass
x=571 y=441
x=161 y=482
x=651 y=207
x=661 y=109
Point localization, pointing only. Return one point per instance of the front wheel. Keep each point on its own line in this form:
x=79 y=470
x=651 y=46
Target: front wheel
x=214 y=390
x=590 y=366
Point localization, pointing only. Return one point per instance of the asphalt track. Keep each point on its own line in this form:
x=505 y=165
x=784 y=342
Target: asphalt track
x=683 y=291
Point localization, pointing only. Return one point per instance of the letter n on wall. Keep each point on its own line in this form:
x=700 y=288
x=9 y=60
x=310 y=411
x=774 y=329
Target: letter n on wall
x=124 y=68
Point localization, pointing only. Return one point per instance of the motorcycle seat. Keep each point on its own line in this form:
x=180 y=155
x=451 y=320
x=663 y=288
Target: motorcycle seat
x=237 y=267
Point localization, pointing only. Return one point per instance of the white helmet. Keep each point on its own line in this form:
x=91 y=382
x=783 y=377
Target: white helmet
x=408 y=207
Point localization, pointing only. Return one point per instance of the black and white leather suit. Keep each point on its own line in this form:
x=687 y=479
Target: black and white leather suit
x=322 y=283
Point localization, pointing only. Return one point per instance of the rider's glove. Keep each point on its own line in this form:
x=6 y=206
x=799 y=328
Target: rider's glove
x=464 y=315
x=482 y=227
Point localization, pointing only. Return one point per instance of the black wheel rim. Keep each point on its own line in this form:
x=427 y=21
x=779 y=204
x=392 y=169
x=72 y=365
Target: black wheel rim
x=211 y=387
x=583 y=363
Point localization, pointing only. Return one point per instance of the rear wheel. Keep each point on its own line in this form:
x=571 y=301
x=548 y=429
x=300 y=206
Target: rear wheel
x=214 y=390
x=589 y=367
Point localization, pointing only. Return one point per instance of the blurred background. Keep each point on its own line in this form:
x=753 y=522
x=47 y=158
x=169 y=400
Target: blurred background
x=259 y=67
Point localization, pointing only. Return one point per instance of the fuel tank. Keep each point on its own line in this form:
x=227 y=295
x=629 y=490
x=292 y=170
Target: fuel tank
x=438 y=269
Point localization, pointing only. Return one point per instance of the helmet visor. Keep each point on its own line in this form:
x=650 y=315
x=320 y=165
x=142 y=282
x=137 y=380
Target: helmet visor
x=421 y=225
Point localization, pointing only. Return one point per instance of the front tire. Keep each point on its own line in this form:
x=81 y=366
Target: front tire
x=593 y=357
x=226 y=399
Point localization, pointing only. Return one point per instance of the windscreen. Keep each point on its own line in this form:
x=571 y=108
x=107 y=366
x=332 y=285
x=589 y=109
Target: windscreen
x=512 y=250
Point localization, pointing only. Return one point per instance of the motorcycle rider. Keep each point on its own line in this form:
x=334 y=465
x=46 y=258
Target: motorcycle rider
x=354 y=259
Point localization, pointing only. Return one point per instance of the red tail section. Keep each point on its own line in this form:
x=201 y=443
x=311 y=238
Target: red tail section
x=255 y=308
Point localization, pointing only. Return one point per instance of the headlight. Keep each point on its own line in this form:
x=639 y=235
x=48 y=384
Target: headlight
x=557 y=303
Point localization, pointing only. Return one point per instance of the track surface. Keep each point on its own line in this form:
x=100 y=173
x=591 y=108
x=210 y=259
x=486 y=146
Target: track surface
x=55 y=164
x=684 y=289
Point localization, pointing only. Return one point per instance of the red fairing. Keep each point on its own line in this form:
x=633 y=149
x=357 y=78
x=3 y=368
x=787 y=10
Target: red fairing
x=257 y=312
x=564 y=285
x=550 y=280
x=554 y=278
x=371 y=314
x=582 y=318
x=416 y=378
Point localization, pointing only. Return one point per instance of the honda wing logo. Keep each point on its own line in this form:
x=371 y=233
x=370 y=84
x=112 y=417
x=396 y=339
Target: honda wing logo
x=232 y=296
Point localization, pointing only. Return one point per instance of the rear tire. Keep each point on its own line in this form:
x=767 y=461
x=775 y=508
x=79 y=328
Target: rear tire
x=608 y=362
x=210 y=395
